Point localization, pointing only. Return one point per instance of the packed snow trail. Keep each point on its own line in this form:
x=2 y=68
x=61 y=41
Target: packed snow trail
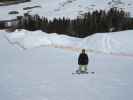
x=45 y=74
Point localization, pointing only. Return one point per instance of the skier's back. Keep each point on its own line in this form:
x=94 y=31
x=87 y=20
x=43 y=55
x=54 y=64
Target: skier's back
x=83 y=61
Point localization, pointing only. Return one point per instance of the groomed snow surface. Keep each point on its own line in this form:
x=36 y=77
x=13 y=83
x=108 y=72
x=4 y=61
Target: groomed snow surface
x=42 y=72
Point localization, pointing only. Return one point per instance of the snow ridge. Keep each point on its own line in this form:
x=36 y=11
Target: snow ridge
x=110 y=43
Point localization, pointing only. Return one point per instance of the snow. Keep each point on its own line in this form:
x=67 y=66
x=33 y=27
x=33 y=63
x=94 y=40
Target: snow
x=45 y=73
x=115 y=42
x=28 y=39
x=38 y=66
x=61 y=8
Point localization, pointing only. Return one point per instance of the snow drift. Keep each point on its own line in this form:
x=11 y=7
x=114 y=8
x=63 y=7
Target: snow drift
x=115 y=42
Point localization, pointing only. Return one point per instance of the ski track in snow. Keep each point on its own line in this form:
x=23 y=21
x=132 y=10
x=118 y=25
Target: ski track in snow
x=107 y=43
x=113 y=46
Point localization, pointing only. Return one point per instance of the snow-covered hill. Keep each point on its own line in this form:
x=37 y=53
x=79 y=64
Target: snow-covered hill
x=119 y=43
x=45 y=73
x=60 y=8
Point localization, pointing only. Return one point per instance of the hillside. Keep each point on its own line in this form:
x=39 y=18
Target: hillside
x=60 y=8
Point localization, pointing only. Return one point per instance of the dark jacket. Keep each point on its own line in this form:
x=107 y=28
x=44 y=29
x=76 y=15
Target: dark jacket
x=83 y=59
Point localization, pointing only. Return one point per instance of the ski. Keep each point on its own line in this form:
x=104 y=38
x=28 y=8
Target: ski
x=86 y=72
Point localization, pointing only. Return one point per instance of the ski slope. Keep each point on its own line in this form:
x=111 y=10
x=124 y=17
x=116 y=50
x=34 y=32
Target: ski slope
x=61 y=8
x=45 y=73
x=38 y=66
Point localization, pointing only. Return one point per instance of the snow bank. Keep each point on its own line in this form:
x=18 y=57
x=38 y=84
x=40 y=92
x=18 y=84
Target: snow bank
x=117 y=42
x=32 y=39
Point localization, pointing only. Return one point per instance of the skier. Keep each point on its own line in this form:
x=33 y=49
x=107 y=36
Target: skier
x=83 y=62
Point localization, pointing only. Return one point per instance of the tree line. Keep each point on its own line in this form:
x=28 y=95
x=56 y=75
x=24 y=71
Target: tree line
x=91 y=22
